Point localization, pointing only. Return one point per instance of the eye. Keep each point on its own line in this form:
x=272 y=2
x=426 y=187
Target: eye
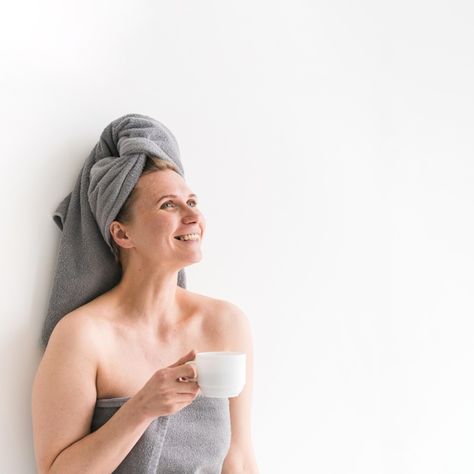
x=167 y=202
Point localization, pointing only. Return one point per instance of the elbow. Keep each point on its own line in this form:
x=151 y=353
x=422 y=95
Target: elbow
x=42 y=469
x=240 y=465
x=47 y=467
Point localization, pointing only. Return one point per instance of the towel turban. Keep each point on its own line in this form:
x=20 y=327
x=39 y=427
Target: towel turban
x=85 y=266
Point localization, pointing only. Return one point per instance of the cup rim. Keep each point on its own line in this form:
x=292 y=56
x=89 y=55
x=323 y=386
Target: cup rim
x=220 y=353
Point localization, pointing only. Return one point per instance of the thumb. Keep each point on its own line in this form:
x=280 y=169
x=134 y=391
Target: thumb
x=191 y=355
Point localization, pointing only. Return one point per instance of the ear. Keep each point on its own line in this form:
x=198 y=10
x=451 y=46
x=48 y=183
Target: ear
x=119 y=234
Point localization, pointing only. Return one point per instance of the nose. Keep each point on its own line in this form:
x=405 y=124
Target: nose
x=192 y=215
x=194 y=218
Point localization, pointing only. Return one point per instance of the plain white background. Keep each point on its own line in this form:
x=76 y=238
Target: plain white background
x=331 y=146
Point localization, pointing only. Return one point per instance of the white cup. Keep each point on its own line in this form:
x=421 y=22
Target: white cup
x=220 y=374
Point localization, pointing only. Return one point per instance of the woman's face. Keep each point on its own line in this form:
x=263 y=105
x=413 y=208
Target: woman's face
x=158 y=218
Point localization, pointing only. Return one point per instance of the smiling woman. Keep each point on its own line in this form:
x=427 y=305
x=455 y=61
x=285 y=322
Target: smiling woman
x=146 y=232
x=125 y=214
x=113 y=392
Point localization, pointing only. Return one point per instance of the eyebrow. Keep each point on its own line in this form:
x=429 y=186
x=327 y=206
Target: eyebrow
x=173 y=196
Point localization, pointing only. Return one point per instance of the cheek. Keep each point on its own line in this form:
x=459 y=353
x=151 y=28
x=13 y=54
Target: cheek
x=203 y=223
x=153 y=230
x=161 y=228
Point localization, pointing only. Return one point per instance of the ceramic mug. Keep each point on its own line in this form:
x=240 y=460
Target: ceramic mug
x=220 y=374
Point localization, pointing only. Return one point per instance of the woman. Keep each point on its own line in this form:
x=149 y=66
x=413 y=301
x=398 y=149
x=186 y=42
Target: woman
x=114 y=368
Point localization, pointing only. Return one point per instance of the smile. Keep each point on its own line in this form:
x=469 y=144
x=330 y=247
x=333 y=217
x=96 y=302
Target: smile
x=188 y=237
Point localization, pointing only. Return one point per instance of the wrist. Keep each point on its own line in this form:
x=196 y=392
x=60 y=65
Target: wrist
x=138 y=409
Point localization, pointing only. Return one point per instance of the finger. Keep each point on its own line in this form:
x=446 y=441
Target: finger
x=187 y=387
x=187 y=401
x=191 y=355
x=192 y=372
x=187 y=380
x=185 y=371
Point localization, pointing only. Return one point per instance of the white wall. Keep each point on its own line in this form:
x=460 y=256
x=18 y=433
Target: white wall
x=331 y=145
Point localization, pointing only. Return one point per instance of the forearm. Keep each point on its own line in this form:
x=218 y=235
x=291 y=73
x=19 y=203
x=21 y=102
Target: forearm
x=239 y=468
x=103 y=450
x=240 y=463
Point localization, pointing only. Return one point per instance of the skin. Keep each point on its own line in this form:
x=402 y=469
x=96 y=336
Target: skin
x=163 y=315
x=151 y=256
x=117 y=342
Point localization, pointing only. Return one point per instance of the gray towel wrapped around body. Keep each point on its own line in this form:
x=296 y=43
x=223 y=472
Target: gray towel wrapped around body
x=194 y=440
x=85 y=266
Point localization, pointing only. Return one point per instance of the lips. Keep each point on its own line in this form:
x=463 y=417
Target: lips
x=186 y=233
x=188 y=240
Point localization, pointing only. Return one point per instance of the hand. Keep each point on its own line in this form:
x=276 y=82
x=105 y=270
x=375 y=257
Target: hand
x=166 y=392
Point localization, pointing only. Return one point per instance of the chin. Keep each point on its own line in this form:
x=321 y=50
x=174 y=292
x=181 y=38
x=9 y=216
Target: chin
x=194 y=260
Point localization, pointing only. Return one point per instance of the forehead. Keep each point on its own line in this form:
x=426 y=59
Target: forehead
x=158 y=183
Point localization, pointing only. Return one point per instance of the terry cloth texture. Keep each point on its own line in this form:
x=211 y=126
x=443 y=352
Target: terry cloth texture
x=85 y=266
x=194 y=440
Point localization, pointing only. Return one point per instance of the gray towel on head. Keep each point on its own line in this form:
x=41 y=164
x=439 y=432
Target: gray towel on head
x=85 y=266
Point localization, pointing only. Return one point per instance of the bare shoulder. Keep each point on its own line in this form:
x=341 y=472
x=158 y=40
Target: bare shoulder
x=82 y=325
x=218 y=309
x=210 y=302
x=226 y=321
x=79 y=331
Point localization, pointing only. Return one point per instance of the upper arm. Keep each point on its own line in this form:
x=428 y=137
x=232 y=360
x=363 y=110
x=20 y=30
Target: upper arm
x=240 y=337
x=64 y=390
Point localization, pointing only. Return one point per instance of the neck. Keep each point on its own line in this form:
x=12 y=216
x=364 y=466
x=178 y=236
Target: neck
x=149 y=298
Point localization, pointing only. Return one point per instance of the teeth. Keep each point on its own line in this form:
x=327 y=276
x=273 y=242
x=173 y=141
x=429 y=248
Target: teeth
x=189 y=237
